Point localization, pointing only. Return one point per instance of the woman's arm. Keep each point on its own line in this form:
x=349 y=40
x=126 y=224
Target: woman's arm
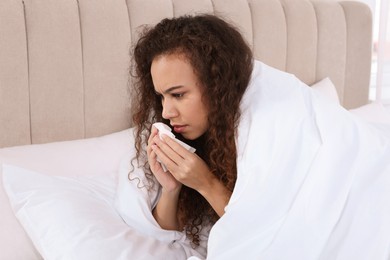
x=165 y=211
x=216 y=194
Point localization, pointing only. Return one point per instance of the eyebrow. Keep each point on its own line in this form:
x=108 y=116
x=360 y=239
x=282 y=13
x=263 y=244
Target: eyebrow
x=171 y=89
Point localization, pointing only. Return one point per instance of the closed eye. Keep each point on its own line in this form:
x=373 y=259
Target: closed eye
x=177 y=95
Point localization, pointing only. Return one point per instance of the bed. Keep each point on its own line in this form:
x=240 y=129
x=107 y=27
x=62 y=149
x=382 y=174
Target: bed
x=65 y=91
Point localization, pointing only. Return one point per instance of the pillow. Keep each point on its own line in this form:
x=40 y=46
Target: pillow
x=94 y=156
x=326 y=88
x=61 y=214
x=75 y=218
x=373 y=112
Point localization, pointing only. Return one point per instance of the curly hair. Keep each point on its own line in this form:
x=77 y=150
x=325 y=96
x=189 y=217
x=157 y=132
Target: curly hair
x=223 y=62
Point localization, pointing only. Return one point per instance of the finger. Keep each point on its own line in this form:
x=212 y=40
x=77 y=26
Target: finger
x=153 y=133
x=153 y=161
x=154 y=130
x=169 y=163
x=174 y=155
x=149 y=148
x=152 y=157
x=175 y=146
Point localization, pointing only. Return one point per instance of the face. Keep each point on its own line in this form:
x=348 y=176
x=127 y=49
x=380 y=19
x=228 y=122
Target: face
x=181 y=94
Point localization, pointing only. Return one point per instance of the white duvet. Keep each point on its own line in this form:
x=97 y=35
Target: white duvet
x=313 y=180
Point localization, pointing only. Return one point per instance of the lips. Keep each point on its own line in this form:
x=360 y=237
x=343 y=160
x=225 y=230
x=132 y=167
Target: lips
x=179 y=128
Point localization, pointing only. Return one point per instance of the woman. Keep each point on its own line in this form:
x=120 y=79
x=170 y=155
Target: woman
x=192 y=73
x=310 y=180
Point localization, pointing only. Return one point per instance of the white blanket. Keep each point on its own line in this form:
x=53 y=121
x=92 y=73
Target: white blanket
x=313 y=181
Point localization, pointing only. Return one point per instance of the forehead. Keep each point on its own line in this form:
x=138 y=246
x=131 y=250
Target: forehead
x=170 y=70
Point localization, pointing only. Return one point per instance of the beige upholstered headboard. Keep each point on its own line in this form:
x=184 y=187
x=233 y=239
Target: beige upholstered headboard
x=64 y=63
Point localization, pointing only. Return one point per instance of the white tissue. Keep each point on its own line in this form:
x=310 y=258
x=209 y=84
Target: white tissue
x=164 y=129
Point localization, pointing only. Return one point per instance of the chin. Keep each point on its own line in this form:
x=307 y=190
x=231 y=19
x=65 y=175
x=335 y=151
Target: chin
x=190 y=136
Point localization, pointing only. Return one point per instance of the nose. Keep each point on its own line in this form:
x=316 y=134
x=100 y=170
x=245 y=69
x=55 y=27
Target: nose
x=169 y=110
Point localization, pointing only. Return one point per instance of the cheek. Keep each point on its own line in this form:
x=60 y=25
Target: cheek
x=203 y=115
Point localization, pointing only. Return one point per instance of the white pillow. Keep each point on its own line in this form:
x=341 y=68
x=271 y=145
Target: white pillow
x=93 y=156
x=373 y=112
x=326 y=88
x=61 y=214
x=75 y=218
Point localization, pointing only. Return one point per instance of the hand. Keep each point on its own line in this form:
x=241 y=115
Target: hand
x=188 y=168
x=167 y=181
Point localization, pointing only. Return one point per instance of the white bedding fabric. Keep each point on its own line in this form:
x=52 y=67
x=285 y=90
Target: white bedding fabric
x=75 y=218
x=313 y=181
x=99 y=156
x=134 y=203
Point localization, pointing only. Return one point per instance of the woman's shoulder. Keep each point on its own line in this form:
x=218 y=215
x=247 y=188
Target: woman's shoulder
x=269 y=86
x=264 y=75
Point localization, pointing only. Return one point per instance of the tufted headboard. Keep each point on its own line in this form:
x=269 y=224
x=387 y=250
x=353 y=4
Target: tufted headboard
x=64 y=63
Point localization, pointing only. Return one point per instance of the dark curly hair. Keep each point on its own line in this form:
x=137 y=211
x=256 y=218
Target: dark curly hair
x=223 y=62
